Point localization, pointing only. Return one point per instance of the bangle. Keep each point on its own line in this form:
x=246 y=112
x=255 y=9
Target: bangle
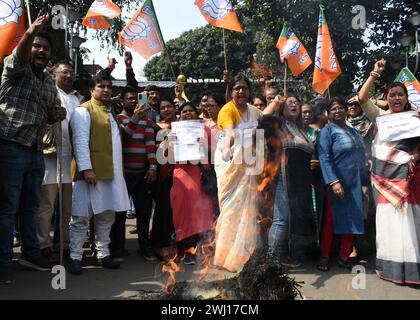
x=375 y=74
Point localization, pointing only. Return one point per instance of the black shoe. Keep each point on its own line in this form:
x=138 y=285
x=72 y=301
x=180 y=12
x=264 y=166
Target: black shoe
x=48 y=254
x=76 y=267
x=290 y=263
x=346 y=264
x=148 y=253
x=38 y=263
x=6 y=275
x=117 y=256
x=109 y=263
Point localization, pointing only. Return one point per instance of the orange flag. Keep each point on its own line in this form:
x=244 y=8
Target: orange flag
x=219 y=13
x=100 y=14
x=293 y=50
x=12 y=25
x=142 y=33
x=327 y=68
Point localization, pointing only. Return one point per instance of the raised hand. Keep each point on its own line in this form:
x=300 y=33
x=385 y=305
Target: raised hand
x=39 y=23
x=141 y=111
x=380 y=66
x=128 y=59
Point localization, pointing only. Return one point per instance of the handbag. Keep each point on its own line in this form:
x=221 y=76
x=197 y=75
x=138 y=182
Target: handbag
x=208 y=181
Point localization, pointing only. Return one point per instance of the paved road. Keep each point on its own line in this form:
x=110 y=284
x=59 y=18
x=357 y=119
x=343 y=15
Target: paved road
x=98 y=283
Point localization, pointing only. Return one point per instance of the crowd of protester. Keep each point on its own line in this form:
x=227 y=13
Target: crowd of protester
x=332 y=175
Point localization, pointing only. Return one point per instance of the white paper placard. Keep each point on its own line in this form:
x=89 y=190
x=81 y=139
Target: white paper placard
x=397 y=126
x=188 y=133
x=187 y=152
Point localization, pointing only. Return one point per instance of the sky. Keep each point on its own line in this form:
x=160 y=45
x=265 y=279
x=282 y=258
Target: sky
x=174 y=16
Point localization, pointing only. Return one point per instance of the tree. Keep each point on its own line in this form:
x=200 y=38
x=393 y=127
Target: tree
x=198 y=53
x=109 y=37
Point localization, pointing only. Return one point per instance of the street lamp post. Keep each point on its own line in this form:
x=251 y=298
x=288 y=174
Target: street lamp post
x=414 y=19
x=73 y=45
x=77 y=42
x=404 y=40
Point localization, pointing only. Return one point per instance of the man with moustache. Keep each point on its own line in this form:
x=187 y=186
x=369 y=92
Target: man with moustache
x=99 y=188
x=28 y=101
x=64 y=78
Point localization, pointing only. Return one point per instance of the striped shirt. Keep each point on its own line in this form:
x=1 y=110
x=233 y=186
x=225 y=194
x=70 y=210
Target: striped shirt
x=26 y=103
x=139 y=149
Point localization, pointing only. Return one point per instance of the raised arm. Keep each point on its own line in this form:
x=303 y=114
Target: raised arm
x=129 y=73
x=24 y=46
x=274 y=105
x=375 y=74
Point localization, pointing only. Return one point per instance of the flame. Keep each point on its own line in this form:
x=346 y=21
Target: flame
x=171 y=267
x=207 y=253
x=191 y=250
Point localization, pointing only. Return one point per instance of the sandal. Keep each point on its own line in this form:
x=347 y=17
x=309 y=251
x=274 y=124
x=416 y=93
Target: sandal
x=324 y=264
x=346 y=264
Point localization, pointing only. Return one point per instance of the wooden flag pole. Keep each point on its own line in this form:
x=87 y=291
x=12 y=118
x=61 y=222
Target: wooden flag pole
x=328 y=93
x=170 y=62
x=28 y=9
x=285 y=78
x=60 y=189
x=224 y=49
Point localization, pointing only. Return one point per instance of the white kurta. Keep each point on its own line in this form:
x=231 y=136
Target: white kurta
x=106 y=194
x=70 y=102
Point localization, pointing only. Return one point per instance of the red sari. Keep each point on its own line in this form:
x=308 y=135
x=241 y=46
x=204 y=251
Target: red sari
x=192 y=209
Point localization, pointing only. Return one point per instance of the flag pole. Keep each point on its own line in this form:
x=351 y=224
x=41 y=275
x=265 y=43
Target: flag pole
x=285 y=78
x=170 y=62
x=29 y=12
x=224 y=49
x=328 y=93
x=60 y=188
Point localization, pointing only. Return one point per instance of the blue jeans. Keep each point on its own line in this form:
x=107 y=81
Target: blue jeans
x=279 y=231
x=21 y=174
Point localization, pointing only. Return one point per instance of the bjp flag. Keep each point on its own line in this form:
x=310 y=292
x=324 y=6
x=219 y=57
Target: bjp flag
x=412 y=85
x=100 y=14
x=12 y=25
x=142 y=33
x=219 y=13
x=293 y=50
x=327 y=68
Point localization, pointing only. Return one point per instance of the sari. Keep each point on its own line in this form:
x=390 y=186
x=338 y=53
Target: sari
x=236 y=229
x=395 y=180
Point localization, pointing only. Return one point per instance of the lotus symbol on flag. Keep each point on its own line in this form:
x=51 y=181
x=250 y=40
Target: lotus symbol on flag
x=292 y=48
x=10 y=11
x=100 y=7
x=217 y=9
x=138 y=29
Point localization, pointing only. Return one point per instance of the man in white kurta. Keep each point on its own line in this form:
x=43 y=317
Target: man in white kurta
x=92 y=196
x=64 y=79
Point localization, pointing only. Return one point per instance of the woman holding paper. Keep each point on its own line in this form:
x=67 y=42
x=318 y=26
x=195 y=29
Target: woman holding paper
x=236 y=230
x=395 y=178
x=192 y=208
